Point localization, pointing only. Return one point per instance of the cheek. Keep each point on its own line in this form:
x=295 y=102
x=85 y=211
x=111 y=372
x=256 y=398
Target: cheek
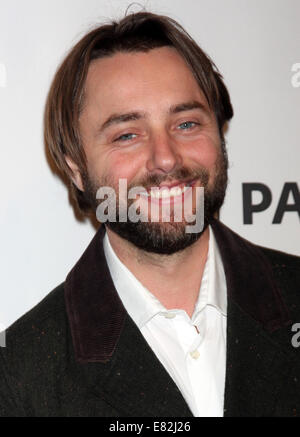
x=115 y=166
x=205 y=154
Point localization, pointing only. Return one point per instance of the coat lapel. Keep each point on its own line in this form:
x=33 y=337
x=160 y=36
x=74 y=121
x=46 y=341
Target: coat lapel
x=136 y=383
x=256 y=319
x=117 y=363
x=257 y=367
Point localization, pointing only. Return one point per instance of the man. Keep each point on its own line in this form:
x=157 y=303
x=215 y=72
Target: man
x=153 y=320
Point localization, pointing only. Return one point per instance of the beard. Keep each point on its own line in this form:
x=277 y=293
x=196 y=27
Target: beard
x=161 y=237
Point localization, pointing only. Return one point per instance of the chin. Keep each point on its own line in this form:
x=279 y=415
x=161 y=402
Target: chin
x=159 y=238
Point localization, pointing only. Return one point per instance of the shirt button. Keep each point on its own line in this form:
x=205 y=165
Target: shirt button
x=195 y=354
x=169 y=315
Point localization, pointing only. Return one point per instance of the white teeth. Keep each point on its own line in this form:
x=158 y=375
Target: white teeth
x=176 y=191
x=165 y=193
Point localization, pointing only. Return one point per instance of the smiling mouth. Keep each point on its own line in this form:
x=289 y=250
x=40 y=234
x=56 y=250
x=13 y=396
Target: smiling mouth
x=167 y=192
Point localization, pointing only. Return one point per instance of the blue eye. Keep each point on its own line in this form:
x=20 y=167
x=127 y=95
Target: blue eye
x=187 y=125
x=125 y=137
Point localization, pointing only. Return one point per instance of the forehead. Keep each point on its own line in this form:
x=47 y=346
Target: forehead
x=159 y=76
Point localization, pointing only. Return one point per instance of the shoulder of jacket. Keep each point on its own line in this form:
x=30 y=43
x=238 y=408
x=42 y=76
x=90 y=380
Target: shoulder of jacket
x=286 y=273
x=280 y=259
x=286 y=267
x=34 y=355
x=43 y=321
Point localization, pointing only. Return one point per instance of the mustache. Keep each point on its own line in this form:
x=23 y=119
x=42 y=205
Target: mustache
x=183 y=175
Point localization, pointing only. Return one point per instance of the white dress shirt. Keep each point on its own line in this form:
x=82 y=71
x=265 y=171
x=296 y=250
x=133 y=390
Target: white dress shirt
x=192 y=350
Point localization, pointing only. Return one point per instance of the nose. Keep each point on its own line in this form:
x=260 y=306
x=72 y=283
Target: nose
x=163 y=154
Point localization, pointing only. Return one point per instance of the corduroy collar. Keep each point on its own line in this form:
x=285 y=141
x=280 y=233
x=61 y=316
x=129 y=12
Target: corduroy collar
x=97 y=315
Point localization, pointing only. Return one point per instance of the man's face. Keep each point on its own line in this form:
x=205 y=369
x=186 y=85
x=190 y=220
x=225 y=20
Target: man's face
x=146 y=120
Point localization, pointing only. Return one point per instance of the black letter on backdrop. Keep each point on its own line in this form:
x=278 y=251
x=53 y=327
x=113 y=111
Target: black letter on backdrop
x=248 y=207
x=283 y=206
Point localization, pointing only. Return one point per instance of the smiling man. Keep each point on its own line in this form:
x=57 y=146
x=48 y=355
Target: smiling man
x=148 y=122
x=153 y=320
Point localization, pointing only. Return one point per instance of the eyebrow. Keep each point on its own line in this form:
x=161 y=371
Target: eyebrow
x=136 y=115
x=187 y=106
x=121 y=118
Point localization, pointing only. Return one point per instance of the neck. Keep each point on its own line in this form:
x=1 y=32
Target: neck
x=165 y=276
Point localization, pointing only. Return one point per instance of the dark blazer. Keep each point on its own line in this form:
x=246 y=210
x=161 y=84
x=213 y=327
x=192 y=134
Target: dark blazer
x=78 y=353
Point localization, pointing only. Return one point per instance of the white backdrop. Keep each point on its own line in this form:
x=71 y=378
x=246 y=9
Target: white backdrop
x=255 y=44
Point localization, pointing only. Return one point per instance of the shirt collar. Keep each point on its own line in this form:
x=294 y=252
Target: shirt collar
x=139 y=302
x=142 y=305
x=213 y=288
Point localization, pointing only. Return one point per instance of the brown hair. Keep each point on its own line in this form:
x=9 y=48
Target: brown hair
x=136 y=32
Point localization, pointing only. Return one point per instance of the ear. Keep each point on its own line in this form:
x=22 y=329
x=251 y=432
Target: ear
x=76 y=178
